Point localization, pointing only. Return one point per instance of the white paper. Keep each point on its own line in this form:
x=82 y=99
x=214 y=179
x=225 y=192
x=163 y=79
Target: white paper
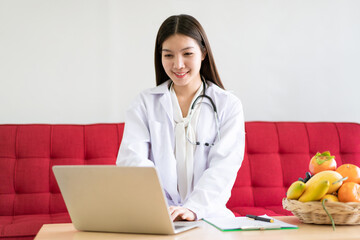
x=245 y=223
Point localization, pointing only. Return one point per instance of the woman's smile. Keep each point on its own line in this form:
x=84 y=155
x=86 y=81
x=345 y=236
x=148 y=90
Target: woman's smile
x=180 y=74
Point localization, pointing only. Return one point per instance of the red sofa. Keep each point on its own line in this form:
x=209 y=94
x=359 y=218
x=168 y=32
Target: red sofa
x=277 y=153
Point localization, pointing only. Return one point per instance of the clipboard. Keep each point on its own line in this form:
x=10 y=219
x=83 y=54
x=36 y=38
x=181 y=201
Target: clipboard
x=246 y=224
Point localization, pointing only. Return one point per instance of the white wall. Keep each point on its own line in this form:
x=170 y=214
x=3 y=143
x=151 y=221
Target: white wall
x=83 y=61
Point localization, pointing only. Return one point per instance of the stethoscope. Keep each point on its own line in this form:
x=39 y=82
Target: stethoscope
x=192 y=110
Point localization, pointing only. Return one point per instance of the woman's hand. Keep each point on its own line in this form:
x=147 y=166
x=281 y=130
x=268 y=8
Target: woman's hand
x=181 y=213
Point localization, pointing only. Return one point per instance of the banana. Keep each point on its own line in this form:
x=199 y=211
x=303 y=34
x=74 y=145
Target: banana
x=333 y=177
x=295 y=190
x=315 y=191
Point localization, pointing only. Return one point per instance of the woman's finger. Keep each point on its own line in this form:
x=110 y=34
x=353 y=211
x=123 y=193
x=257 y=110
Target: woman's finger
x=188 y=215
x=180 y=213
x=177 y=213
x=173 y=208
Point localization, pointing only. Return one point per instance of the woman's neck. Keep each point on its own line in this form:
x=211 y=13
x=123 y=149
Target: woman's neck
x=185 y=95
x=187 y=91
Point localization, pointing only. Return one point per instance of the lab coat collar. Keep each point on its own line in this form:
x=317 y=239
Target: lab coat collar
x=165 y=100
x=162 y=88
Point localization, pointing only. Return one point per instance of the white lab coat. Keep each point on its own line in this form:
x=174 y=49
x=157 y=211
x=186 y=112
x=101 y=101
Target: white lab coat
x=149 y=140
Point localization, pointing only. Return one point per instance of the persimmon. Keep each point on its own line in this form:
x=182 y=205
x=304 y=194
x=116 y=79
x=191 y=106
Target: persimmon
x=322 y=162
x=349 y=192
x=351 y=171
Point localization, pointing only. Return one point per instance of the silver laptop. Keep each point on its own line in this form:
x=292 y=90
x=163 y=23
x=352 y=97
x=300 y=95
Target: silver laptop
x=116 y=199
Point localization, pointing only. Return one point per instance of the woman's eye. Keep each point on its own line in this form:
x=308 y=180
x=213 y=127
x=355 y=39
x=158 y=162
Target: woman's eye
x=188 y=54
x=167 y=55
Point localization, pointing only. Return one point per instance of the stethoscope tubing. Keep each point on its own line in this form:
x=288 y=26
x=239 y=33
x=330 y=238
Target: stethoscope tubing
x=203 y=95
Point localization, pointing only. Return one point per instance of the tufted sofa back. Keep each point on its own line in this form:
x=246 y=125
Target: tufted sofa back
x=278 y=153
x=28 y=152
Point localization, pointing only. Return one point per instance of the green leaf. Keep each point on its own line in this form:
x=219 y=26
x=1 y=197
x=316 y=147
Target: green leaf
x=326 y=153
x=321 y=160
x=323 y=157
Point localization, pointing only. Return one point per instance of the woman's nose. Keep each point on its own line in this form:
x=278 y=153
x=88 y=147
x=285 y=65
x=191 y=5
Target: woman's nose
x=179 y=63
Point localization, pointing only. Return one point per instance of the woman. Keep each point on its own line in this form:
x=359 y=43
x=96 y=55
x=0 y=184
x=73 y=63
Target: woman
x=174 y=126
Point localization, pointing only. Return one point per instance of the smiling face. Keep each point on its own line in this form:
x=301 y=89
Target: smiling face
x=181 y=59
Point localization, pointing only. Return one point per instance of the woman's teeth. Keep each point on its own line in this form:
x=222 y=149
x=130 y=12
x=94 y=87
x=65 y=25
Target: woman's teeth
x=180 y=74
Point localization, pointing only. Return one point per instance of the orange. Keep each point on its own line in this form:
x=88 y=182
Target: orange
x=351 y=171
x=322 y=162
x=330 y=198
x=349 y=192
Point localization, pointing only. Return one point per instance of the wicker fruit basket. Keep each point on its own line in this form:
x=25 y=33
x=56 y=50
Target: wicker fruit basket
x=313 y=212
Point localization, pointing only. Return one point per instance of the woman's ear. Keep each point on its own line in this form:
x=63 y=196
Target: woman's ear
x=203 y=54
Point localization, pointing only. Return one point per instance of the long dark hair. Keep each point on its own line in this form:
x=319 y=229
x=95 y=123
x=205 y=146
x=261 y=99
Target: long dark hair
x=188 y=26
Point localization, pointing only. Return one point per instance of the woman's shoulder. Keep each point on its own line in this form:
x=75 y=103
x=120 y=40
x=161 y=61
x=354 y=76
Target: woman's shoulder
x=153 y=91
x=149 y=96
x=227 y=103
x=222 y=94
x=160 y=89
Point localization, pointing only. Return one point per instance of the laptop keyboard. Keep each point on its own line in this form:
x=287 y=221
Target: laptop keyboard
x=182 y=224
x=178 y=227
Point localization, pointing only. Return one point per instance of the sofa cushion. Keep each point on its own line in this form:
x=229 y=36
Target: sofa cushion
x=28 y=225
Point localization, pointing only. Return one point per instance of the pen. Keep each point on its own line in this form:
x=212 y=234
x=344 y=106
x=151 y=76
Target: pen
x=260 y=218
